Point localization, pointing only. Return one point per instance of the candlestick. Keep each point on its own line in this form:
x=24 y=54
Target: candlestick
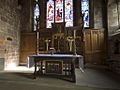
x=37 y=43
x=47 y=44
x=70 y=41
x=74 y=42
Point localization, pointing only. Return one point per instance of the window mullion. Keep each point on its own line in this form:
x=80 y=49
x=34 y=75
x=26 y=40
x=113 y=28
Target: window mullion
x=63 y=10
x=54 y=10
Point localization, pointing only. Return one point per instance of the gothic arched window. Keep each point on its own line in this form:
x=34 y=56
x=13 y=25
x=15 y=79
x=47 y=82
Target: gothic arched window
x=59 y=11
x=36 y=15
x=85 y=12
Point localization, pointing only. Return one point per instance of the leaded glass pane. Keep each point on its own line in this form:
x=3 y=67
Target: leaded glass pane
x=59 y=11
x=85 y=12
x=50 y=13
x=36 y=15
x=69 y=13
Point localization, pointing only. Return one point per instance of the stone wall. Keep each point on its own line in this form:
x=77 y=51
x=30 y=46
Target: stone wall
x=114 y=35
x=113 y=16
x=98 y=14
x=114 y=53
x=26 y=15
x=9 y=32
x=43 y=8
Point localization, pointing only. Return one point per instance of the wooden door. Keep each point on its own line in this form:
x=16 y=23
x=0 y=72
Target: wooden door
x=94 y=46
x=28 y=46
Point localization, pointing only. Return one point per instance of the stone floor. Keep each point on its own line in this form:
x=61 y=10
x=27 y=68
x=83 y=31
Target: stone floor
x=93 y=78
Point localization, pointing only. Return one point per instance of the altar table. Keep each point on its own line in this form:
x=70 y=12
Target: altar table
x=55 y=64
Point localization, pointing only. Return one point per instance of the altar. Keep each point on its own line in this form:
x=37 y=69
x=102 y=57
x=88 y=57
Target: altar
x=60 y=65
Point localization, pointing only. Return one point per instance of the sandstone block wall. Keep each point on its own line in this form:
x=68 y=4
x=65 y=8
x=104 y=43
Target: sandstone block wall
x=9 y=32
x=114 y=35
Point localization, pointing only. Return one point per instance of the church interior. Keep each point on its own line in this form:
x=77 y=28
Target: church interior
x=77 y=38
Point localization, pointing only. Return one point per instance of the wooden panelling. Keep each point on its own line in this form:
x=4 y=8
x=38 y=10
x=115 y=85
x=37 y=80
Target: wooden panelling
x=28 y=46
x=32 y=43
x=94 y=46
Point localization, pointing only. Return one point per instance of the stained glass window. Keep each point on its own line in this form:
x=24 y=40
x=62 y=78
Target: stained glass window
x=85 y=12
x=50 y=13
x=36 y=15
x=68 y=13
x=60 y=11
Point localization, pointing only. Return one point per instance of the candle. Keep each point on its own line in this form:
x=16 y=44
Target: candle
x=71 y=45
x=74 y=42
x=74 y=33
x=47 y=46
x=37 y=35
